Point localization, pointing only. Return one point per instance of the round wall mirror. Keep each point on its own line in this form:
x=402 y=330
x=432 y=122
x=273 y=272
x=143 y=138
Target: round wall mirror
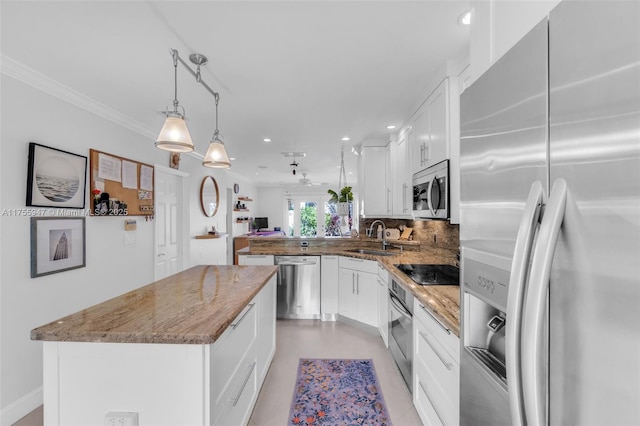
x=209 y=196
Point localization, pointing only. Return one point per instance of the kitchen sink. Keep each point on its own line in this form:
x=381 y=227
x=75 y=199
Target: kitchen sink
x=374 y=252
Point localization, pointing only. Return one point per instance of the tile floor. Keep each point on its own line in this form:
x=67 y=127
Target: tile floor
x=315 y=339
x=297 y=339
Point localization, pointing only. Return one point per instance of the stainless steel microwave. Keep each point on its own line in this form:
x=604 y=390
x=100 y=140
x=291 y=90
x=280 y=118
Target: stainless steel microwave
x=431 y=192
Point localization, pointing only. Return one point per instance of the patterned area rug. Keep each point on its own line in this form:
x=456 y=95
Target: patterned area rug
x=337 y=392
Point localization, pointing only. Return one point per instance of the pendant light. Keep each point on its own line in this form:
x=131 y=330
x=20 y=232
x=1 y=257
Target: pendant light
x=174 y=135
x=216 y=156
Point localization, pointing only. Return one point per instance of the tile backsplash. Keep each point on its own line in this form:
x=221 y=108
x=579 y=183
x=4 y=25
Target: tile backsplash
x=432 y=234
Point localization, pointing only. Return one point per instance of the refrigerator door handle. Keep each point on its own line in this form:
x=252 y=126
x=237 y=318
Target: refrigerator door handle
x=534 y=359
x=517 y=280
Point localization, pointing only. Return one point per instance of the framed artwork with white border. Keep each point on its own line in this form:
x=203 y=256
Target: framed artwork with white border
x=57 y=244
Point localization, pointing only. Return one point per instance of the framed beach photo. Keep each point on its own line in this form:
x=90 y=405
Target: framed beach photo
x=57 y=244
x=55 y=178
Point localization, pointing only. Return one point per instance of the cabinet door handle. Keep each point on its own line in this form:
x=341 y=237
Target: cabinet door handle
x=424 y=389
x=357 y=283
x=435 y=351
x=446 y=330
x=353 y=283
x=237 y=323
x=235 y=400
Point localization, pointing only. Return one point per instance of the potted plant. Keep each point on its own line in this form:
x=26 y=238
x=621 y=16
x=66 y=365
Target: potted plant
x=341 y=200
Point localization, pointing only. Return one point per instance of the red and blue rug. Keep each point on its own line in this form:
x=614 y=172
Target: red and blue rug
x=337 y=392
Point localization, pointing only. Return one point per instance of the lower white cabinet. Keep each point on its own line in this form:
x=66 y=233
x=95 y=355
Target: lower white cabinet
x=383 y=304
x=255 y=259
x=329 y=289
x=436 y=369
x=358 y=292
x=240 y=359
x=166 y=384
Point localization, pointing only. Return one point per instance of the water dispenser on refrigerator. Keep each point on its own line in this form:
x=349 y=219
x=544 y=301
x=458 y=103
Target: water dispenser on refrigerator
x=483 y=368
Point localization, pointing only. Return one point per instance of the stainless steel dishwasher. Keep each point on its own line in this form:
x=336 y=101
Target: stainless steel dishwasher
x=298 y=287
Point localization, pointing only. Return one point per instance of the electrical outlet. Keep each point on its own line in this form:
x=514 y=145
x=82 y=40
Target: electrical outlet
x=121 y=418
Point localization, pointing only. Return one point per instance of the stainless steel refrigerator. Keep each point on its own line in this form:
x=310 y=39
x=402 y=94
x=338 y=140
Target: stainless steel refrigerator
x=550 y=225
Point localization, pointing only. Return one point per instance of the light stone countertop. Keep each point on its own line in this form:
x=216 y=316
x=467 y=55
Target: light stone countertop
x=441 y=300
x=194 y=306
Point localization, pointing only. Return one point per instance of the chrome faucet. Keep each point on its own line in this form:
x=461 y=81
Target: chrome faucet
x=385 y=243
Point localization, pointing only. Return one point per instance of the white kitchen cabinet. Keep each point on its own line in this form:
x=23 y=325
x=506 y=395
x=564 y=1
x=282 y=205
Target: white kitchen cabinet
x=383 y=304
x=435 y=137
x=358 y=293
x=166 y=384
x=329 y=289
x=401 y=186
x=374 y=181
x=436 y=369
x=255 y=259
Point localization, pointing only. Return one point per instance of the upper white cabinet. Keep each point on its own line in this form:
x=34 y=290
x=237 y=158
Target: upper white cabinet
x=431 y=125
x=434 y=135
x=401 y=187
x=374 y=181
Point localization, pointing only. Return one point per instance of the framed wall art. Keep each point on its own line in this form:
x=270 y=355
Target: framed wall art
x=57 y=244
x=55 y=178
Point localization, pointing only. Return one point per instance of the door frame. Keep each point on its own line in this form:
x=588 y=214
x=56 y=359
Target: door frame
x=183 y=201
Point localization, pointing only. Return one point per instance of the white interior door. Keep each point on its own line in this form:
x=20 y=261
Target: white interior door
x=169 y=223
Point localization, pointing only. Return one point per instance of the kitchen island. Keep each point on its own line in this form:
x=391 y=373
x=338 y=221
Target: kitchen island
x=192 y=348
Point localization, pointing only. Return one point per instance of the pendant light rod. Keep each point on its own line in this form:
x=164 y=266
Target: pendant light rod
x=199 y=60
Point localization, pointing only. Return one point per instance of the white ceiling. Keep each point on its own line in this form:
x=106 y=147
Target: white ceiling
x=303 y=73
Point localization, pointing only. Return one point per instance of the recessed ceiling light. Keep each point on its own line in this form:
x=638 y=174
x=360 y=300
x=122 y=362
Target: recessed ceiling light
x=465 y=18
x=391 y=127
x=232 y=158
x=346 y=138
x=266 y=140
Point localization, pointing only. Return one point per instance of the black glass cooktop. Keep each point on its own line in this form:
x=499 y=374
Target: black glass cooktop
x=431 y=274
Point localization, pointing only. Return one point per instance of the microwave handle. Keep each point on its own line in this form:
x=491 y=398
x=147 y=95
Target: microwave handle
x=433 y=213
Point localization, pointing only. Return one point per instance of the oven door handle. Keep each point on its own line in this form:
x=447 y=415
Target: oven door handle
x=398 y=305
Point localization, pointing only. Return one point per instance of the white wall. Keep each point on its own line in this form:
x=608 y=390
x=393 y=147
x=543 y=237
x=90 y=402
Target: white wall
x=112 y=268
x=497 y=25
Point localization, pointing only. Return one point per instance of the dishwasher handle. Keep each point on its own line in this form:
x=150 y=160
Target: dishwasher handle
x=296 y=261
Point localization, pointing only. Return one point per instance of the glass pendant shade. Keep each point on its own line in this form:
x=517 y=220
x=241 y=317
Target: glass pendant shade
x=216 y=156
x=174 y=135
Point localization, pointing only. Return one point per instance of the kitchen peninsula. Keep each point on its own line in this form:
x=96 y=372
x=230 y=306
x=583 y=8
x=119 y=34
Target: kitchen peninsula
x=192 y=348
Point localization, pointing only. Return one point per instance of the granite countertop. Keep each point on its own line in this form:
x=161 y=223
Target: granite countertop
x=442 y=300
x=194 y=306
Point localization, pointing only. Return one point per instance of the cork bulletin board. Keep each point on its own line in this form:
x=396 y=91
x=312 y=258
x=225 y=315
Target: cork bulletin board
x=120 y=186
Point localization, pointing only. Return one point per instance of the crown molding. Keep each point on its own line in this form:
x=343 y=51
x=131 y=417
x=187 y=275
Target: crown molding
x=39 y=81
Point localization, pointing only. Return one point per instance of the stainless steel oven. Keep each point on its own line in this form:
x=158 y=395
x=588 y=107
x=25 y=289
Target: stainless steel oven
x=400 y=329
x=431 y=192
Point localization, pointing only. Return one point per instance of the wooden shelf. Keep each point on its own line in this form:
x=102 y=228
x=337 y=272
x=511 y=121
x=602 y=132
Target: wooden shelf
x=244 y=199
x=210 y=236
x=240 y=210
x=243 y=220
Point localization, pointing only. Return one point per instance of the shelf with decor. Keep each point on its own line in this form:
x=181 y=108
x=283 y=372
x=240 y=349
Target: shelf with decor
x=211 y=236
x=238 y=220
x=240 y=210
x=244 y=199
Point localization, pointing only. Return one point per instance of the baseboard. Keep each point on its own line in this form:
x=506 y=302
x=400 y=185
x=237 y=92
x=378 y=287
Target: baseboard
x=20 y=408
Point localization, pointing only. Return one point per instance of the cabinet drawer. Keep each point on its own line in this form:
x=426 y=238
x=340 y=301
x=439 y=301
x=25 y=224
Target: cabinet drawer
x=233 y=408
x=431 y=399
x=440 y=331
x=232 y=347
x=441 y=365
x=362 y=265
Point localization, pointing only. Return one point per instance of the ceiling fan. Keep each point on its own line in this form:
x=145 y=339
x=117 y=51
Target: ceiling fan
x=304 y=180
